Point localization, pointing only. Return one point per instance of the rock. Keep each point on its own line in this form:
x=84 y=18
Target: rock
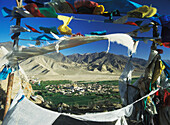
x=63 y=105
x=47 y=106
x=90 y=68
x=104 y=68
x=117 y=106
x=37 y=99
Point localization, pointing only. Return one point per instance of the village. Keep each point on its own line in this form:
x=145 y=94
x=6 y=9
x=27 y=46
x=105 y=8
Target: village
x=78 y=97
x=82 y=89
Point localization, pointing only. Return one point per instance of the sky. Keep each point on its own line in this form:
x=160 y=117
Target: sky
x=85 y=27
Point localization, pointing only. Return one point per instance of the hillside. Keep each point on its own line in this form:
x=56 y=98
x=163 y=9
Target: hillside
x=89 y=66
x=7 y=45
x=106 y=61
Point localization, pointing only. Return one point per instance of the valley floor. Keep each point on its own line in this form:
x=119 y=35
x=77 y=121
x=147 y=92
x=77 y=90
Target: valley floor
x=83 y=77
x=94 y=76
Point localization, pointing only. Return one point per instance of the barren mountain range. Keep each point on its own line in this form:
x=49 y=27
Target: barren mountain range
x=78 y=66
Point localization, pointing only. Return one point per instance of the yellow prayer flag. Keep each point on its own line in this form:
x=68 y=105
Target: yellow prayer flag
x=64 y=29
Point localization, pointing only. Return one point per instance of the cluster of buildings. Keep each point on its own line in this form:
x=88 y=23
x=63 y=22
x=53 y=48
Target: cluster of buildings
x=81 y=88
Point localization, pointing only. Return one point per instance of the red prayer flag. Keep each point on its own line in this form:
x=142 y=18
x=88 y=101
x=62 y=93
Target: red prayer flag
x=85 y=3
x=74 y=10
x=32 y=29
x=166 y=44
x=166 y=98
x=131 y=23
x=33 y=9
x=160 y=51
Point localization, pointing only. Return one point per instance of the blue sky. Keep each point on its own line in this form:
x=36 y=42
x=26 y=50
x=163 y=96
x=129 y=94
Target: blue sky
x=85 y=27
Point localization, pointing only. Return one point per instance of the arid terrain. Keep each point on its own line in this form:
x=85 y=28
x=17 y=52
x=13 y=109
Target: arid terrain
x=89 y=67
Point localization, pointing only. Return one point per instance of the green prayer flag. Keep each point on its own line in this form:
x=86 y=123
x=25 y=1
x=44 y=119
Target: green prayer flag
x=48 y=12
x=48 y=30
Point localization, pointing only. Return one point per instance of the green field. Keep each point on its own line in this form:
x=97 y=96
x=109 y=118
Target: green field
x=83 y=100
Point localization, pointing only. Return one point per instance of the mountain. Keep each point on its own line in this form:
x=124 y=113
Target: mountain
x=44 y=65
x=7 y=45
x=102 y=62
x=106 y=61
x=59 y=57
x=77 y=66
x=56 y=66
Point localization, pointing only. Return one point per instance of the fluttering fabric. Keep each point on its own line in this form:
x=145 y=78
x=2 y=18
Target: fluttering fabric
x=150 y=106
x=146 y=39
x=99 y=10
x=34 y=10
x=88 y=7
x=167 y=69
x=98 y=32
x=64 y=29
x=16 y=29
x=9 y=13
x=43 y=37
x=120 y=20
x=125 y=79
x=49 y=29
x=159 y=67
x=143 y=12
x=139 y=22
x=122 y=39
x=149 y=70
x=4 y=73
x=25 y=53
x=131 y=23
x=142 y=29
x=152 y=55
x=67 y=42
x=48 y=12
x=23 y=111
x=165 y=36
x=32 y=29
x=121 y=5
x=59 y=41
x=15 y=35
x=61 y=6
x=37 y=1
x=156 y=19
x=6 y=12
x=135 y=4
x=85 y=3
x=22 y=12
x=55 y=36
x=165 y=21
